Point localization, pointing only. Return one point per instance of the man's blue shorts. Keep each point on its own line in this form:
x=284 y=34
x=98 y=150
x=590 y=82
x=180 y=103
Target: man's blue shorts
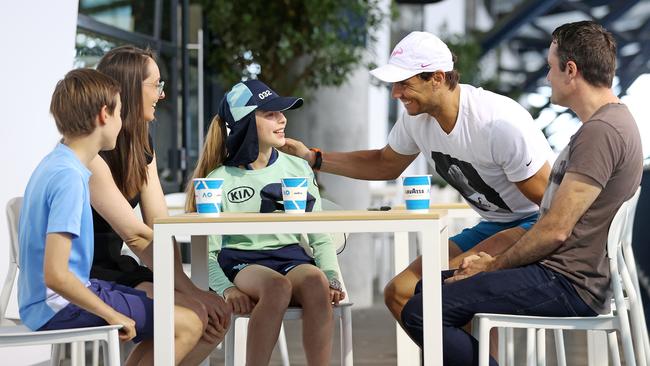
x=280 y=260
x=126 y=300
x=469 y=237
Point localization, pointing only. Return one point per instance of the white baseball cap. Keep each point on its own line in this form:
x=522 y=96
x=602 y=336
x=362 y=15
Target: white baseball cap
x=416 y=53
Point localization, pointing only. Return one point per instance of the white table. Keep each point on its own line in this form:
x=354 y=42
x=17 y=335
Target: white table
x=431 y=225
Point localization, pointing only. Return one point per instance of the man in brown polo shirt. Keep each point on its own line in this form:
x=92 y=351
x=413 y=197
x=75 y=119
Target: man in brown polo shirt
x=559 y=267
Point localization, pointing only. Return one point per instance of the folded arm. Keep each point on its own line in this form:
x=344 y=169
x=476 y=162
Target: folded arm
x=575 y=195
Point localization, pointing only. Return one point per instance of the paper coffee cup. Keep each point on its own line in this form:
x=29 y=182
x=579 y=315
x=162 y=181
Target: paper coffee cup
x=417 y=192
x=207 y=192
x=294 y=194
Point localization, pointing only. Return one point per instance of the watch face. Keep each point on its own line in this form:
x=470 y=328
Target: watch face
x=335 y=284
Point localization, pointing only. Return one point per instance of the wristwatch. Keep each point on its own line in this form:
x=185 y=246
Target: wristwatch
x=335 y=284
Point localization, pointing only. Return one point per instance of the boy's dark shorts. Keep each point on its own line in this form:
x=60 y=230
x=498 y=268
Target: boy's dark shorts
x=280 y=260
x=126 y=300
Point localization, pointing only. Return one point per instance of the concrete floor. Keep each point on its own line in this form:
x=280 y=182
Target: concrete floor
x=374 y=342
x=373 y=332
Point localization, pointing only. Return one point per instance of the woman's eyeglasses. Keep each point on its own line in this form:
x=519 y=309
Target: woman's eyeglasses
x=160 y=86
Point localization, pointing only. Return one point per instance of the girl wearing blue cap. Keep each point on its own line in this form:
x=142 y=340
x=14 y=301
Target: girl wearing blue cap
x=263 y=274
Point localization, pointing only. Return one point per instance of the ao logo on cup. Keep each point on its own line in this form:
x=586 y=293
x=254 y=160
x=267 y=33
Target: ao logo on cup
x=294 y=194
x=417 y=192
x=208 y=195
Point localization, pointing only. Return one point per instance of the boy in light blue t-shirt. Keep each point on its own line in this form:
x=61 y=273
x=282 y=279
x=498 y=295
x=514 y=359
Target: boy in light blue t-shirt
x=56 y=235
x=56 y=232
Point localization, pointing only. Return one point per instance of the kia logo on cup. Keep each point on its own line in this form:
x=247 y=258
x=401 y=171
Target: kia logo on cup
x=417 y=192
x=207 y=192
x=294 y=194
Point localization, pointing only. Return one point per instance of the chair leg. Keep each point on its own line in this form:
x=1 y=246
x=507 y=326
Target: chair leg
x=638 y=328
x=559 y=347
x=596 y=349
x=484 y=342
x=502 y=345
x=113 y=348
x=510 y=346
x=530 y=347
x=346 y=336
x=612 y=341
x=626 y=338
x=646 y=345
x=78 y=353
x=229 y=343
x=105 y=355
x=282 y=346
x=541 y=347
x=56 y=353
x=95 y=361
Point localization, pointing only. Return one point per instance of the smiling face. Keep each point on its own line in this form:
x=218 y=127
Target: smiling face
x=150 y=95
x=270 y=129
x=414 y=93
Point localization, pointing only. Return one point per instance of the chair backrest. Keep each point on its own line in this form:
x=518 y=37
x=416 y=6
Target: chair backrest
x=619 y=274
x=617 y=230
x=13 y=217
x=629 y=225
x=338 y=239
x=175 y=203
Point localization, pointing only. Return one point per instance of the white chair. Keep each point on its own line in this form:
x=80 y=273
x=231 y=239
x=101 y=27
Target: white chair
x=616 y=321
x=637 y=317
x=14 y=334
x=235 y=342
x=175 y=203
x=639 y=329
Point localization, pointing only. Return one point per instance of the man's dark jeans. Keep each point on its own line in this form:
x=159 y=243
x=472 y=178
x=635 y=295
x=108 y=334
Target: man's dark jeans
x=528 y=290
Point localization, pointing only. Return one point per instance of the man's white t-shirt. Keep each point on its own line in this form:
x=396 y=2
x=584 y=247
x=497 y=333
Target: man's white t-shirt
x=493 y=144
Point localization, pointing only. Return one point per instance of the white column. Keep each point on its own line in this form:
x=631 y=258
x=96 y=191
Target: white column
x=38 y=42
x=333 y=119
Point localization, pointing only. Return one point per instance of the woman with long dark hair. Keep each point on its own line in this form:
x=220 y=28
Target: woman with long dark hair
x=127 y=176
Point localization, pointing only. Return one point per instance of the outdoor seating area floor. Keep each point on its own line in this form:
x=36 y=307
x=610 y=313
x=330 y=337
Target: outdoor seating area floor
x=373 y=333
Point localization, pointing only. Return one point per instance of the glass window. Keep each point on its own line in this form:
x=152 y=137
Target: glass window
x=133 y=16
x=91 y=47
x=114 y=23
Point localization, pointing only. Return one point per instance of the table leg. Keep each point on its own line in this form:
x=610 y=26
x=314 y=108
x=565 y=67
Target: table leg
x=431 y=292
x=444 y=247
x=408 y=353
x=163 y=305
x=199 y=260
x=200 y=274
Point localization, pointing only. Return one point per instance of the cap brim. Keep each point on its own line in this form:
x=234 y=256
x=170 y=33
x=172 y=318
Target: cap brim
x=392 y=74
x=281 y=104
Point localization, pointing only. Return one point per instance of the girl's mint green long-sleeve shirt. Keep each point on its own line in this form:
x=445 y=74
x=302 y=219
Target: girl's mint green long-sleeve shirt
x=260 y=190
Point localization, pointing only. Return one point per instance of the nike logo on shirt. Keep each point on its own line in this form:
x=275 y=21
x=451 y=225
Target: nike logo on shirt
x=531 y=160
